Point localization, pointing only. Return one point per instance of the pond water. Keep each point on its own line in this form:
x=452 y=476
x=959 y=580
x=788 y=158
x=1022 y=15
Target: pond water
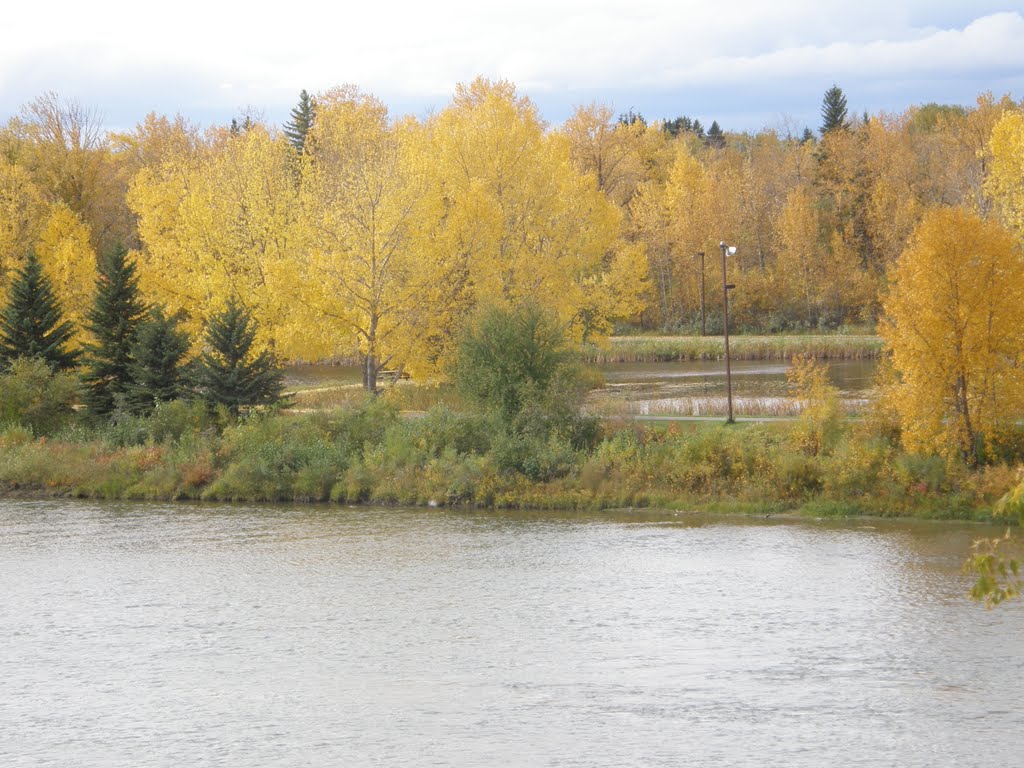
x=684 y=388
x=240 y=636
x=699 y=387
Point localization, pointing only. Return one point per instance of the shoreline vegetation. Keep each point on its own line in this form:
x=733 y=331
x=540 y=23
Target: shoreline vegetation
x=368 y=452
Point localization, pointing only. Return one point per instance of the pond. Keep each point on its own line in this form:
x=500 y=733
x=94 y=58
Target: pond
x=698 y=388
x=159 y=635
x=694 y=388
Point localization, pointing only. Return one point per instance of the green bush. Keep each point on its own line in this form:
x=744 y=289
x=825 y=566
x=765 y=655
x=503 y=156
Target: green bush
x=33 y=396
x=277 y=458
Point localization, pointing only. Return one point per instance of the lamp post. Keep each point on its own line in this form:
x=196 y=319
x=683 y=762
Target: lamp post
x=703 y=322
x=727 y=250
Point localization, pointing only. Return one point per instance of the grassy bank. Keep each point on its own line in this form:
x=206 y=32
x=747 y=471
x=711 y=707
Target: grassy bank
x=662 y=349
x=369 y=453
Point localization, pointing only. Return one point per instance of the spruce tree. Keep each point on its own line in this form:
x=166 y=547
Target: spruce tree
x=833 y=110
x=32 y=324
x=229 y=373
x=113 y=322
x=156 y=363
x=298 y=127
x=715 y=137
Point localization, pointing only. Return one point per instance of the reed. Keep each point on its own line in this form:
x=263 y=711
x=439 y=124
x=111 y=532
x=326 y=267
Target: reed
x=664 y=349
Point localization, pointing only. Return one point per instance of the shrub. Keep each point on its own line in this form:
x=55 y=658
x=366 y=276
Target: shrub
x=33 y=396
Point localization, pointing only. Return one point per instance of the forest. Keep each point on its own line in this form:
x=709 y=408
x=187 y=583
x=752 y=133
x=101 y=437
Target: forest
x=353 y=232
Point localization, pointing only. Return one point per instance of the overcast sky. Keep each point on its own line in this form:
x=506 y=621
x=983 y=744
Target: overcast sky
x=747 y=63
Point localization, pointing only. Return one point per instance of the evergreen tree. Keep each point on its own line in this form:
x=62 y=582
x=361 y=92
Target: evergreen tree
x=833 y=110
x=808 y=136
x=156 y=365
x=298 y=127
x=715 y=137
x=32 y=324
x=228 y=373
x=113 y=322
x=632 y=118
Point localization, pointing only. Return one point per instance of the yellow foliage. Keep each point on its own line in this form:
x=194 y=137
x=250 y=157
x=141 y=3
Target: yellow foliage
x=819 y=421
x=1005 y=183
x=22 y=211
x=70 y=262
x=524 y=223
x=224 y=222
x=955 y=326
x=370 y=207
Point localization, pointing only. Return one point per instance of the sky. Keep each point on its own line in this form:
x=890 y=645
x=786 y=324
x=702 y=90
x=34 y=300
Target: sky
x=749 y=64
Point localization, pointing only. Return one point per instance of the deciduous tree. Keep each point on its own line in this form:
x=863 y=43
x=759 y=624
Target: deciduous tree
x=954 y=323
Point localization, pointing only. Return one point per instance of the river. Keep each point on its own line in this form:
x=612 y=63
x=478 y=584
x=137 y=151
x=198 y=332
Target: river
x=192 y=635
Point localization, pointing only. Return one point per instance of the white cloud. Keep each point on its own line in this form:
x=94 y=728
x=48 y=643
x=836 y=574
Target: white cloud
x=267 y=51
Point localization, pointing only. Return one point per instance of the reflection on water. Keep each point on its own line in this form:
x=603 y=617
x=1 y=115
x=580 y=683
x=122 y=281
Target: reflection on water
x=699 y=387
x=242 y=636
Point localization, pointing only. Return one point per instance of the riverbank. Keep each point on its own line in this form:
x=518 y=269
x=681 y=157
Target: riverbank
x=663 y=349
x=370 y=453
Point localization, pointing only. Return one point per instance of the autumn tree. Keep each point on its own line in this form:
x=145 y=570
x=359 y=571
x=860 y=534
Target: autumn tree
x=222 y=220
x=955 y=326
x=1006 y=172
x=519 y=217
x=611 y=150
x=370 y=207
x=67 y=153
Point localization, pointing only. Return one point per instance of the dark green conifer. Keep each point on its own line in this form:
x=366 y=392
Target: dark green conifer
x=833 y=110
x=228 y=372
x=32 y=324
x=112 y=322
x=715 y=137
x=298 y=127
x=156 y=366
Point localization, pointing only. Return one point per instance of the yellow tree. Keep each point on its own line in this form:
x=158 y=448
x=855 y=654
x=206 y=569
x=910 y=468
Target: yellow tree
x=67 y=257
x=611 y=150
x=64 y=148
x=1005 y=183
x=371 y=209
x=22 y=212
x=521 y=219
x=955 y=326
x=223 y=221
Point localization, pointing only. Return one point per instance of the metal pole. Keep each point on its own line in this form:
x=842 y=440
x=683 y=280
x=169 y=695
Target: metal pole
x=725 y=324
x=703 y=321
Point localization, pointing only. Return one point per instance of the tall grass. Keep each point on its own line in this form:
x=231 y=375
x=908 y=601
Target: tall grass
x=663 y=349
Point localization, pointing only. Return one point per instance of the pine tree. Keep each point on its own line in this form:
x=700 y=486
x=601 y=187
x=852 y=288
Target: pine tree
x=807 y=136
x=715 y=137
x=32 y=324
x=113 y=323
x=298 y=127
x=833 y=110
x=228 y=373
x=156 y=365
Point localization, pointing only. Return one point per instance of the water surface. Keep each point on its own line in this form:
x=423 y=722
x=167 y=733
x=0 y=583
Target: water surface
x=244 y=636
